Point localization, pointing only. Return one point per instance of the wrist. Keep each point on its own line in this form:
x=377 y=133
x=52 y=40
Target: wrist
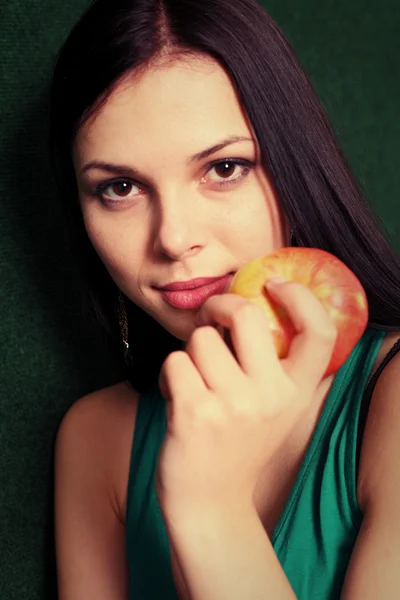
x=227 y=555
x=211 y=527
x=192 y=519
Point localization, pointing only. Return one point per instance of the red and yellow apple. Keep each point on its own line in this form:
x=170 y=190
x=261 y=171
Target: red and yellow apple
x=330 y=280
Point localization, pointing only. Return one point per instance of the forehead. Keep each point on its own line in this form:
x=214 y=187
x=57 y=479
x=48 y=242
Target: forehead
x=190 y=102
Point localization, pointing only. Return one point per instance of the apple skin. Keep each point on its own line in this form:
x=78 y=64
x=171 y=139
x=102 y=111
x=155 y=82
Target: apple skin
x=330 y=280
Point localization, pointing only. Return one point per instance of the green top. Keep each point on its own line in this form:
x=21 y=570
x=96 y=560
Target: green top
x=316 y=533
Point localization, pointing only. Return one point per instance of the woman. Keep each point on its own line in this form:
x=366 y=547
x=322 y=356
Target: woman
x=187 y=141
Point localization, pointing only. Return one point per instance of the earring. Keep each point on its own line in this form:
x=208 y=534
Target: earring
x=123 y=327
x=291 y=237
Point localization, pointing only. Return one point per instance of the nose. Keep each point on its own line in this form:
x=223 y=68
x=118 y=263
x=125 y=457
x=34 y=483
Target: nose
x=177 y=228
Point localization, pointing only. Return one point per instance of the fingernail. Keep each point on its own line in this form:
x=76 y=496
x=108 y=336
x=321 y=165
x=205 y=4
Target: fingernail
x=275 y=281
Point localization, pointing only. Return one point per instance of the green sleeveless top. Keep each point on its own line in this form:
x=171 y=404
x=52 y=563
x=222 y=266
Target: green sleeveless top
x=317 y=530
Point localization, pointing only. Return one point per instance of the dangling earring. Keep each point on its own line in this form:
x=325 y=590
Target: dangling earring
x=291 y=237
x=123 y=327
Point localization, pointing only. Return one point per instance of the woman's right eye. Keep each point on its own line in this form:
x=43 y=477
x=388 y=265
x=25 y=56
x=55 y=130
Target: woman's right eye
x=118 y=190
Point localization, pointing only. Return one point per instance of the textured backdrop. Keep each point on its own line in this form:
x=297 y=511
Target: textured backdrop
x=350 y=49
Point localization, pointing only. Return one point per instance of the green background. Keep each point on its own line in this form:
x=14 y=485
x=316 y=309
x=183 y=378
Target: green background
x=350 y=50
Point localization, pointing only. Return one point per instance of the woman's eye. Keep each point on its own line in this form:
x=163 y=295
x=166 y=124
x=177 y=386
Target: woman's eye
x=228 y=172
x=223 y=173
x=115 y=191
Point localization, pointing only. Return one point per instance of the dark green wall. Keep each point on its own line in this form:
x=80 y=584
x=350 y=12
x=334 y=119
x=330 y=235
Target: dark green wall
x=350 y=50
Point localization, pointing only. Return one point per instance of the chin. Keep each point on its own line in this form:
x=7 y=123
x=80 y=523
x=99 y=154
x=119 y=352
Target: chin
x=183 y=332
x=181 y=326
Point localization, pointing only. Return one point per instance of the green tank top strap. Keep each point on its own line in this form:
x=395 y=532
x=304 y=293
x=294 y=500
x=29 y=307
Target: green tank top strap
x=319 y=525
x=148 y=549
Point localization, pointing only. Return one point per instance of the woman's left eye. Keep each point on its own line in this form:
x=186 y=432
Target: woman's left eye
x=229 y=172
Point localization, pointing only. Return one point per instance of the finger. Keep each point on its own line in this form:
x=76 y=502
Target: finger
x=249 y=331
x=312 y=347
x=179 y=381
x=214 y=361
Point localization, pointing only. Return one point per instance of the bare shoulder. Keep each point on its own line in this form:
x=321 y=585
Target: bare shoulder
x=110 y=403
x=380 y=453
x=98 y=429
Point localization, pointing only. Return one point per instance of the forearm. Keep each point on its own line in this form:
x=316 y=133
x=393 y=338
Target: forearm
x=225 y=558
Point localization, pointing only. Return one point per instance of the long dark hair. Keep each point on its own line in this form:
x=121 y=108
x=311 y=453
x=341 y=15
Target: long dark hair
x=308 y=171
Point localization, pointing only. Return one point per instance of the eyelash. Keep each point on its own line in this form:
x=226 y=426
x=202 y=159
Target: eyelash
x=248 y=166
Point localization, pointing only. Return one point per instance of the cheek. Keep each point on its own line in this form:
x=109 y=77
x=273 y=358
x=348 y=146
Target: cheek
x=265 y=220
x=111 y=242
x=99 y=235
x=254 y=225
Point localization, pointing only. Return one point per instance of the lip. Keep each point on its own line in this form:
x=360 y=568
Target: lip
x=189 y=295
x=189 y=285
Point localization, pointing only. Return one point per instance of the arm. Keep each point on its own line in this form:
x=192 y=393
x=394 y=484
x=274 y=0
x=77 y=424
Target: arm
x=228 y=416
x=228 y=557
x=91 y=462
x=218 y=553
x=374 y=568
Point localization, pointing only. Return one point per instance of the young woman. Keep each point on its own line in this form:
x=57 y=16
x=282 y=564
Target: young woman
x=188 y=141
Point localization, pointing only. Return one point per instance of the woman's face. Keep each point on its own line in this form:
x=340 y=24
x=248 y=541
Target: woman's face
x=175 y=195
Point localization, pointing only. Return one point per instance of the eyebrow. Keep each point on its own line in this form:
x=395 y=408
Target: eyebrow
x=128 y=171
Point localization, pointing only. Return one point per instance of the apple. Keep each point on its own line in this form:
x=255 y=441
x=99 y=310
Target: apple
x=330 y=280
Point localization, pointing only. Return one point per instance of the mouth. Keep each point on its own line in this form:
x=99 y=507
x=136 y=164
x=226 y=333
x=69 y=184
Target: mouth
x=192 y=294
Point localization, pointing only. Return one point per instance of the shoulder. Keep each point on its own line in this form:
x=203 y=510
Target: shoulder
x=380 y=452
x=109 y=403
x=374 y=565
x=98 y=432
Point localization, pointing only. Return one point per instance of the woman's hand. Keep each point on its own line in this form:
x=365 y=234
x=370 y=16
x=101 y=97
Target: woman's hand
x=228 y=414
